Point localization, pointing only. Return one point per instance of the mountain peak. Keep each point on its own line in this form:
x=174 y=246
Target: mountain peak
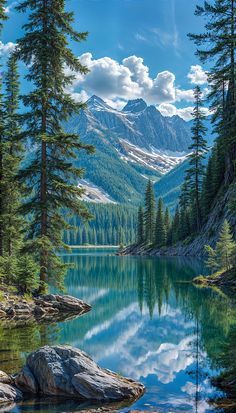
x=96 y=103
x=135 y=106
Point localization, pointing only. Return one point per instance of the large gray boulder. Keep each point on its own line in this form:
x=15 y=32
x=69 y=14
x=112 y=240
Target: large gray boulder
x=68 y=372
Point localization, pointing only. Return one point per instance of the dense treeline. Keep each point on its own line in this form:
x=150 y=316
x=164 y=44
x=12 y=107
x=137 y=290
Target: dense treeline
x=155 y=225
x=38 y=192
x=203 y=186
x=111 y=225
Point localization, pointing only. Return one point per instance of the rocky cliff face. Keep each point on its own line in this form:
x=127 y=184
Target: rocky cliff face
x=141 y=125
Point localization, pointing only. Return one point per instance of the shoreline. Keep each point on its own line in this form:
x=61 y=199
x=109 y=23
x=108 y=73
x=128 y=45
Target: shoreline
x=41 y=308
x=219 y=279
x=92 y=246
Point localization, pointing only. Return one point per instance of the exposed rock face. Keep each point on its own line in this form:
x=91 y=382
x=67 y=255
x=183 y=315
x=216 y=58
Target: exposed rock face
x=9 y=394
x=44 y=307
x=64 y=371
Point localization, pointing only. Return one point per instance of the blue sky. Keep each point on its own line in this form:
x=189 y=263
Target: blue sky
x=135 y=48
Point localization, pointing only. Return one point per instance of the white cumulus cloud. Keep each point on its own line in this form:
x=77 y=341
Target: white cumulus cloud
x=186 y=113
x=117 y=82
x=129 y=79
x=197 y=75
x=6 y=48
x=168 y=109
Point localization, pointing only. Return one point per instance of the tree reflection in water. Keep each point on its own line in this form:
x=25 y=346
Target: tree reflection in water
x=139 y=306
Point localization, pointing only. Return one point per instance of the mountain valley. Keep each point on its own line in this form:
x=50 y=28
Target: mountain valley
x=132 y=145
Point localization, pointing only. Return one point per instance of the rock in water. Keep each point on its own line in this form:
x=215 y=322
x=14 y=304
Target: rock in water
x=9 y=394
x=4 y=378
x=68 y=372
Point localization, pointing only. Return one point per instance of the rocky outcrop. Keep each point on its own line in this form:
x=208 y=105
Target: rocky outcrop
x=70 y=373
x=44 y=307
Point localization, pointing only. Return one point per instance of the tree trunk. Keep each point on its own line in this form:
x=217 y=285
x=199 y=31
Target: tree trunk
x=231 y=152
x=43 y=200
x=43 y=180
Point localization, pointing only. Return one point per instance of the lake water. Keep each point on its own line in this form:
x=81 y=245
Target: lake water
x=148 y=322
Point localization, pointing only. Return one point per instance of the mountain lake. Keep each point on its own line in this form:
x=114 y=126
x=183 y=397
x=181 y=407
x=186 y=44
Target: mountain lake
x=148 y=319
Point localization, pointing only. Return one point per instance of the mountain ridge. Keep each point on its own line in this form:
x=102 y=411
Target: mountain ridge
x=132 y=145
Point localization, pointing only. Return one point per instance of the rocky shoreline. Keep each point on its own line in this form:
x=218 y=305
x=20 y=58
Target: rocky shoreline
x=178 y=250
x=45 y=307
x=63 y=372
x=221 y=280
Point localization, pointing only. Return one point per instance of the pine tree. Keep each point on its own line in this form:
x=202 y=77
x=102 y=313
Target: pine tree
x=223 y=256
x=3 y=17
x=184 y=227
x=167 y=220
x=218 y=45
x=51 y=176
x=208 y=193
x=1 y=170
x=13 y=152
x=211 y=261
x=140 y=238
x=175 y=229
x=26 y=274
x=160 y=230
x=149 y=213
x=198 y=148
x=225 y=247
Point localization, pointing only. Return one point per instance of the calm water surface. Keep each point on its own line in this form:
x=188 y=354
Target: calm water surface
x=147 y=323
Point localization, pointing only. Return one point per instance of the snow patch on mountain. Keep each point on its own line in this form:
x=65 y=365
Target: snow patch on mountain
x=94 y=194
x=159 y=161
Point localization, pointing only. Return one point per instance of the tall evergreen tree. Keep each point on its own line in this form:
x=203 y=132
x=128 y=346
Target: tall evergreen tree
x=160 y=230
x=225 y=246
x=12 y=221
x=223 y=256
x=1 y=168
x=217 y=44
x=175 y=229
x=167 y=220
x=149 y=213
x=3 y=17
x=198 y=150
x=51 y=177
x=141 y=237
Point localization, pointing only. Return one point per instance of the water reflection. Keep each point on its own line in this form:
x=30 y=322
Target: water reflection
x=147 y=322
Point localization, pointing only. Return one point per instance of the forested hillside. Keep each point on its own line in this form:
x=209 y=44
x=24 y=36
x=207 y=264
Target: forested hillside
x=111 y=225
x=207 y=200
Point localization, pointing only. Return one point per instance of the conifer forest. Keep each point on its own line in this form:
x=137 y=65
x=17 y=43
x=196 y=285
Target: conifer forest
x=118 y=206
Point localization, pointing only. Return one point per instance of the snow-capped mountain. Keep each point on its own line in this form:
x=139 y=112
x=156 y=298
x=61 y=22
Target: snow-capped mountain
x=141 y=125
x=131 y=145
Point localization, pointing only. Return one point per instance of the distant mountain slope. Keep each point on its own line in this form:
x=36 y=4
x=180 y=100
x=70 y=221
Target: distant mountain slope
x=169 y=186
x=131 y=145
x=141 y=125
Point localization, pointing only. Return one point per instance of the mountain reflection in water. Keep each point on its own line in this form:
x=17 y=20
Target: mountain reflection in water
x=147 y=322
